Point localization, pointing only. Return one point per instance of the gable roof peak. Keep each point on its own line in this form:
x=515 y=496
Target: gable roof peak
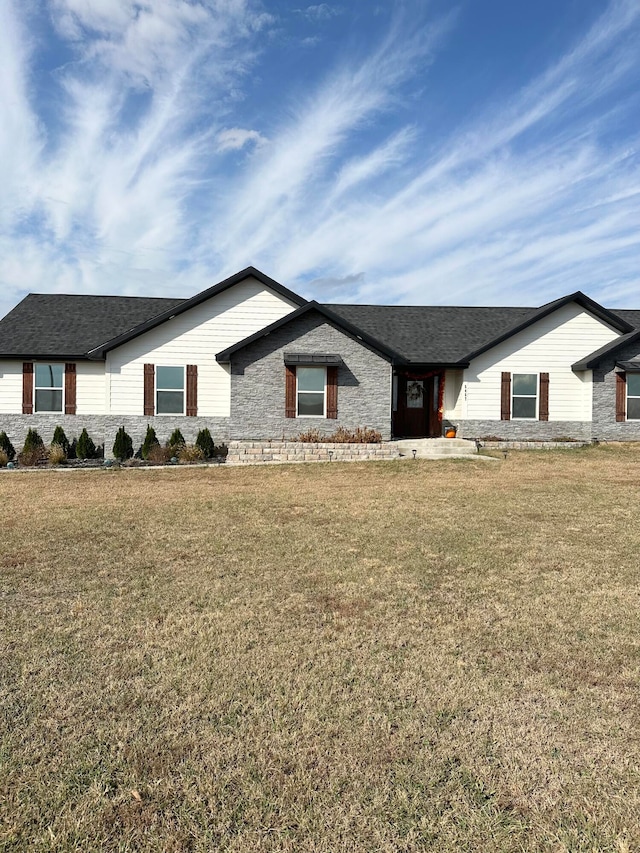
x=249 y=272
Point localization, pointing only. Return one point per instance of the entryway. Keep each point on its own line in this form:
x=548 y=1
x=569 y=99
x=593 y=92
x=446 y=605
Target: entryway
x=417 y=404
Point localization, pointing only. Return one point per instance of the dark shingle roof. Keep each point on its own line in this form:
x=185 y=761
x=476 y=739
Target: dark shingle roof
x=430 y=335
x=64 y=326
x=60 y=326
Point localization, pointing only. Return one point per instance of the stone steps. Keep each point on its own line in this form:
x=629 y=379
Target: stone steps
x=436 y=448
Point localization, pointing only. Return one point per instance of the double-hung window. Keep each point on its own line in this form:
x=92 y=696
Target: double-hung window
x=311 y=396
x=169 y=390
x=633 y=396
x=49 y=386
x=524 y=399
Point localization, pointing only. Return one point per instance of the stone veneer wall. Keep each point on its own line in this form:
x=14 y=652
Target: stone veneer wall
x=522 y=430
x=103 y=428
x=258 y=383
x=605 y=427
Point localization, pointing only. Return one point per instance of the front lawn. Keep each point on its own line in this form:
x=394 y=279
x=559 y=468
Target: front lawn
x=419 y=656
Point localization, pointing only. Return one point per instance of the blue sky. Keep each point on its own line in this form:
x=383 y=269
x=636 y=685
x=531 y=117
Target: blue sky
x=481 y=152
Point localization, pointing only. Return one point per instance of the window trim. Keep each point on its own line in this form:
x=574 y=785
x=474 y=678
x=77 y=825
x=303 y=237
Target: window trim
x=182 y=391
x=535 y=397
x=323 y=392
x=629 y=396
x=37 y=388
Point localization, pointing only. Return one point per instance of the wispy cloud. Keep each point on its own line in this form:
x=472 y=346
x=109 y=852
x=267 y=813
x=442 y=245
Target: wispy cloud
x=320 y=12
x=117 y=175
x=235 y=138
x=511 y=208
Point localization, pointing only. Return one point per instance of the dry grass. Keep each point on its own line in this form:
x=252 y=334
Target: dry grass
x=366 y=657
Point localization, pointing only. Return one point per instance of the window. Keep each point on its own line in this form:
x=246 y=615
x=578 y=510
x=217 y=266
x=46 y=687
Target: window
x=49 y=387
x=169 y=390
x=633 y=396
x=415 y=394
x=311 y=391
x=525 y=395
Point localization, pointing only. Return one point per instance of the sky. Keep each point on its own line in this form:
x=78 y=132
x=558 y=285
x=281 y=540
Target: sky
x=480 y=152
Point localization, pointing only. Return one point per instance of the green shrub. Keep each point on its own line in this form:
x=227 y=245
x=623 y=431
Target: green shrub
x=205 y=443
x=85 y=448
x=176 y=441
x=123 y=446
x=33 y=450
x=150 y=440
x=61 y=440
x=32 y=442
x=6 y=446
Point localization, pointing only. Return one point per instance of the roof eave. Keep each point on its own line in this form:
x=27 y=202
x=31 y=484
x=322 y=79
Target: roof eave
x=435 y=365
x=46 y=356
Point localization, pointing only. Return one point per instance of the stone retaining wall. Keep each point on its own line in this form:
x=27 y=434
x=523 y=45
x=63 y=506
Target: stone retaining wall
x=533 y=445
x=253 y=452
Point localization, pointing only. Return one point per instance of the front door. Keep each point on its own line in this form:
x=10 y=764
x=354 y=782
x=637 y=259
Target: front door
x=415 y=407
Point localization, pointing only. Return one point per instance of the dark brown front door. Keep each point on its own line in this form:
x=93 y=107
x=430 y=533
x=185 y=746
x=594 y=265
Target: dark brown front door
x=416 y=407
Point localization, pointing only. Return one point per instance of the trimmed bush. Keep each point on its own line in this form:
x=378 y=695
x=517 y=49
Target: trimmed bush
x=32 y=442
x=85 y=448
x=61 y=440
x=150 y=440
x=123 y=445
x=205 y=443
x=4 y=458
x=6 y=446
x=176 y=441
x=33 y=450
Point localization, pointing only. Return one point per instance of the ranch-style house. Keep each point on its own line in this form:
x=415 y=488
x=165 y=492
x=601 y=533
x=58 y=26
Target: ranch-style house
x=250 y=359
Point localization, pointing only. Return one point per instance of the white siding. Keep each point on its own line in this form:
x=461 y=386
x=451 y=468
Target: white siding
x=10 y=387
x=90 y=388
x=453 y=394
x=550 y=346
x=90 y=394
x=194 y=338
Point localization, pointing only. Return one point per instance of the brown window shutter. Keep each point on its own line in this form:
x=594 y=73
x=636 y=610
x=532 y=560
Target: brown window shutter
x=149 y=389
x=27 y=388
x=332 y=392
x=192 y=390
x=290 y=392
x=505 y=397
x=621 y=396
x=543 y=408
x=70 y=389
